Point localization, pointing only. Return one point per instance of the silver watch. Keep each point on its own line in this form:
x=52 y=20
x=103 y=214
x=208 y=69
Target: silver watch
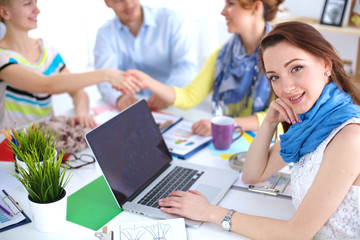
x=226 y=222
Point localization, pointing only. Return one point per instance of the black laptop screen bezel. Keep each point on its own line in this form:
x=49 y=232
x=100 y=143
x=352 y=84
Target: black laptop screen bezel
x=130 y=150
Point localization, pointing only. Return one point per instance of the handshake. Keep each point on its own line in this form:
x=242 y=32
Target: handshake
x=127 y=83
x=133 y=81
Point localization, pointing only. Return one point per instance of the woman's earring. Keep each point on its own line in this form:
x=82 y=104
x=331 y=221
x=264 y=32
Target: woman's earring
x=328 y=73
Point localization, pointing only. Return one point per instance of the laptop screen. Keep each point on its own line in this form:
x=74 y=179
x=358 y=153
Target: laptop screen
x=130 y=150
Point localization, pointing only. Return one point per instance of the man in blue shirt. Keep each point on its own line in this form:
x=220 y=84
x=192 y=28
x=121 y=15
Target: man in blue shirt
x=152 y=40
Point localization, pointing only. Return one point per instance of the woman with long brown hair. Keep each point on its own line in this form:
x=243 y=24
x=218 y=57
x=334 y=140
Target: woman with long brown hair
x=321 y=105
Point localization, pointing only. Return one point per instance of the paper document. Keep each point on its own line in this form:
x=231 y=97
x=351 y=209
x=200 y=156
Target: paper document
x=182 y=142
x=105 y=116
x=278 y=184
x=100 y=109
x=6 y=219
x=7 y=181
x=171 y=229
x=240 y=145
x=165 y=121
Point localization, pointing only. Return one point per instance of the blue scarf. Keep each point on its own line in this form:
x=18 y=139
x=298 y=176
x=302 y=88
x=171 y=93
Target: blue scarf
x=333 y=108
x=236 y=73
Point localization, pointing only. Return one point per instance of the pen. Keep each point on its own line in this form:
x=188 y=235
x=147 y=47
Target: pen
x=6 y=211
x=165 y=124
x=13 y=139
x=8 y=137
x=8 y=132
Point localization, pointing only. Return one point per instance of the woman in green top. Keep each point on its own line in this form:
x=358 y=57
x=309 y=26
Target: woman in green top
x=231 y=72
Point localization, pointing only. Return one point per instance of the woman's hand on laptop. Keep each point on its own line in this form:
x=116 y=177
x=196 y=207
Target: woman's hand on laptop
x=191 y=204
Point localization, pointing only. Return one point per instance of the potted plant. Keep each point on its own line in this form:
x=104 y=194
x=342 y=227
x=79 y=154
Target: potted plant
x=43 y=178
x=34 y=139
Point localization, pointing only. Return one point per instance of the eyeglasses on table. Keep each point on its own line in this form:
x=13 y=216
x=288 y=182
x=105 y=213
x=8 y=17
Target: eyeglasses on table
x=77 y=161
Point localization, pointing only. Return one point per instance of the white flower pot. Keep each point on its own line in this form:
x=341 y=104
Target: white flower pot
x=49 y=217
x=23 y=164
x=20 y=163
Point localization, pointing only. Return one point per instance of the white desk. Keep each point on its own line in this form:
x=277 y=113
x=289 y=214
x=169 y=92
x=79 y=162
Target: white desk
x=242 y=201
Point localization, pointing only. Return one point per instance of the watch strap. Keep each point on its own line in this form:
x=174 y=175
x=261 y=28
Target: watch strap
x=227 y=218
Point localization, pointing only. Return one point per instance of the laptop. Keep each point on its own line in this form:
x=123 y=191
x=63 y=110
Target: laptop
x=135 y=162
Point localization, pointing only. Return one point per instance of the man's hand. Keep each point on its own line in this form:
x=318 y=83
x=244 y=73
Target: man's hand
x=157 y=103
x=127 y=84
x=125 y=101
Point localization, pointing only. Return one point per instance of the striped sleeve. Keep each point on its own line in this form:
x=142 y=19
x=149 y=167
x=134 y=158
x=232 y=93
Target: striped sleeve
x=6 y=61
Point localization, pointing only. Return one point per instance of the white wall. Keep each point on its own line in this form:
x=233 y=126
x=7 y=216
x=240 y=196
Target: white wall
x=305 y=8
x=346 y=45
x=72 y=24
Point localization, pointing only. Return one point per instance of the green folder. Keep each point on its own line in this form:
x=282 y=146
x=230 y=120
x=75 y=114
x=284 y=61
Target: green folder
x=93 y=205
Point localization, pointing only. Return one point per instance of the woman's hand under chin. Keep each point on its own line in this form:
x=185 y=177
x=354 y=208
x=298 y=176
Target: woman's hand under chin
x=279 y=111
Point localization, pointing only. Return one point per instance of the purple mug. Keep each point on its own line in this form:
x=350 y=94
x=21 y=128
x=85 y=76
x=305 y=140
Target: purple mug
x=222 y=130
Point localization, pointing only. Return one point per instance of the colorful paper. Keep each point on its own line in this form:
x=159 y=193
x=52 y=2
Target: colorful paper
x=101 y=109
x=93 y=205
x=6 y=153
x=249 y=136
x=240 y=145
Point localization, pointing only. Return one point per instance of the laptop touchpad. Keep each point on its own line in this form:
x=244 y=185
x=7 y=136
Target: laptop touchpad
x=209 y=191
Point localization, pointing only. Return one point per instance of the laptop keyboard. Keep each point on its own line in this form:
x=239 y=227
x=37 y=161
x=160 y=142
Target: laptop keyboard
x=179 y=178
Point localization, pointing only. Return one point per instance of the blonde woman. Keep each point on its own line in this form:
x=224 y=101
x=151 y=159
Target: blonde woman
x=231 y=73
x=32 y=69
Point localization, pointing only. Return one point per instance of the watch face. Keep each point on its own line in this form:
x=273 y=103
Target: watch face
x=225 y=225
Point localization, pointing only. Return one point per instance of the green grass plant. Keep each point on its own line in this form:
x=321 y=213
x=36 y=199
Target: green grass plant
x=43 y=177
x=44 y=181
x=34 y=139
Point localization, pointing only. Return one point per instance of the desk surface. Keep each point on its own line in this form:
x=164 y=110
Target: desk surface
x=242 y=201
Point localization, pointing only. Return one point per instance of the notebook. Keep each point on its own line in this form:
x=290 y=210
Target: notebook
x=134 y=159
x=182 y=142
x=11 y=215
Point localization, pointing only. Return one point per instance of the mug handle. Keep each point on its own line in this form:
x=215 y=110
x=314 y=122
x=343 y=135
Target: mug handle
x=241 y=132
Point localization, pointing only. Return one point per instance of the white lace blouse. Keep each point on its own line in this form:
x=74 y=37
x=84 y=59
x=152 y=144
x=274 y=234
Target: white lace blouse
x=345 y=222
